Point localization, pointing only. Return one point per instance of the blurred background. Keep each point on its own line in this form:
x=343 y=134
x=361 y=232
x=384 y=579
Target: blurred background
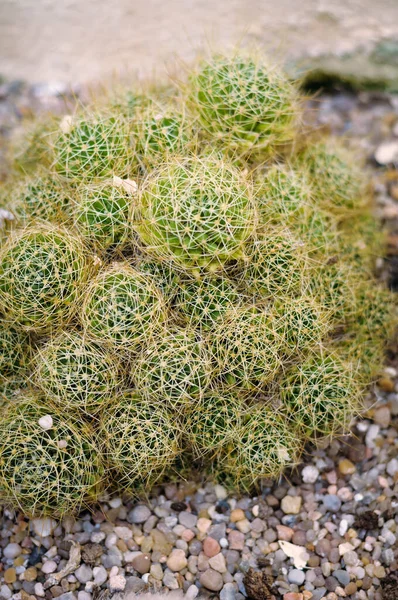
x=79 y=41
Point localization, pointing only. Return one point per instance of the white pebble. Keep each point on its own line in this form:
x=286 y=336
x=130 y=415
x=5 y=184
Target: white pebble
x=115 y=502
x=12 y=551
x=39 y=590
x=371 y=435
x=192 y=592
x=43 y=527
x=392 y=467
x=100 y=575
x=387 y=153
x=310 y=474
x=343 y=527
x=124 y=533
x=220 y=492
x=46 y=422
x=97 y=537
x=5 y=592
x=117 y=583
x=83 y=596
x=49 y=567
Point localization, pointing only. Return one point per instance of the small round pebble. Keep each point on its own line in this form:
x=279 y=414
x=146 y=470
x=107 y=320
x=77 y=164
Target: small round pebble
x=211 y=580
x=177 y=560
x=310 y=474
x=296 y=576
x=139 y=514
x=332 y=503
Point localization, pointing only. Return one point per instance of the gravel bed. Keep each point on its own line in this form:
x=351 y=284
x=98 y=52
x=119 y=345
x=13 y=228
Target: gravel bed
x=327 y=530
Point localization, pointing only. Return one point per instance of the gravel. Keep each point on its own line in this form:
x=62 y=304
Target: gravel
x=328 y=530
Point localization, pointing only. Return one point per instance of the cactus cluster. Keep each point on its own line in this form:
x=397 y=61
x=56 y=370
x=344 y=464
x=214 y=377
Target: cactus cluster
x=187 y=282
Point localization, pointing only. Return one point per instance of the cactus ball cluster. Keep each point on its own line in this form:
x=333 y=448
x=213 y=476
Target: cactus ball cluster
x=188 y=278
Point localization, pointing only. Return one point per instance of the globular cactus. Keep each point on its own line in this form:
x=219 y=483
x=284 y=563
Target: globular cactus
x=214 y=423
x=204 y=302
x=77 y=373
x=163 y=275
x=244 y=309
x=264 y=447
x=276 y=263
x=43 y=197
x=49 y=464
x=14 y=350
x=336 y=176
x=247 y=348
x=302 y=323
x=283 y=194
x=321 y=395
x=89 y=147
x=140 y=439
x=42 y=271
x=160 y=130
x=197 y=212
x=122 y=307
x=247 y=105
x=102 y=214
x=174 y=369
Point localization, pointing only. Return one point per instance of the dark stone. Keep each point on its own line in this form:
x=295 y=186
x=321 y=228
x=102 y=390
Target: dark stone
x=389 y=585
x=222 y=507
x=258 y=585
x=35 y=555
x=367 y=520
x=178 y=506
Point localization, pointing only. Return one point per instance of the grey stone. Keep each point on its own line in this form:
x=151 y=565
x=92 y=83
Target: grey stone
x=342 y=576
x=296 y=576
x=187 y=519
x=332 y=503
x=139 y=514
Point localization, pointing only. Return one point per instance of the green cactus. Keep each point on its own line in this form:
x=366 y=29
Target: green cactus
x=283 y=195
x=122 y=307
x=204 y=302
x=43 y=198
x=214 y=424
x=77 y=373
x=14 y=350
x=276 y=263
x=49 y=464
x=160 y=131
x=139 y=440
x=90 y=147
x=162 y=274
x=102 y=214
x=302 y=323
x=174 y=369
x=264 y=447
x=321 y=395
x=42 y=270
x=248 y=106
x=247 y=348
x=336 y=177
x=197 y=212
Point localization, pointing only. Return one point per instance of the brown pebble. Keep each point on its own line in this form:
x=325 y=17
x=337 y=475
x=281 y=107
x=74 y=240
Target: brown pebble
x=346 y=467
x=284 y=533
x=211 y=547
x=382 y=416
x=10 y=575
x=314 y=561
x=351 y=588
x=142 y=563
x=386 y=384
x=30 y=574
x=237 y=515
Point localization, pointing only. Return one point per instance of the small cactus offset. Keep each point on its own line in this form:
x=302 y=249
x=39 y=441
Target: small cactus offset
x=186 y=286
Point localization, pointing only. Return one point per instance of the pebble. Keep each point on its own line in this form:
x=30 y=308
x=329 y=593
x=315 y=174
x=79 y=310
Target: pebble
x=212 y=580
x=217 y=563
x=100 y=575
x=84 y=573
x=43 y=527
x=296 y=576
x=12 y=551
x=10 y=575
x=39 y=590
x=332 y=503
x=346 y=467
x=139 y=514
x=211 y=547
x=387 y=153
x=49 y=567
x=310 y=474
x=5 y=592
x=177 y=560
x=237 y=515
x=392 y=467
x=142 y=562
x=291 y=505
